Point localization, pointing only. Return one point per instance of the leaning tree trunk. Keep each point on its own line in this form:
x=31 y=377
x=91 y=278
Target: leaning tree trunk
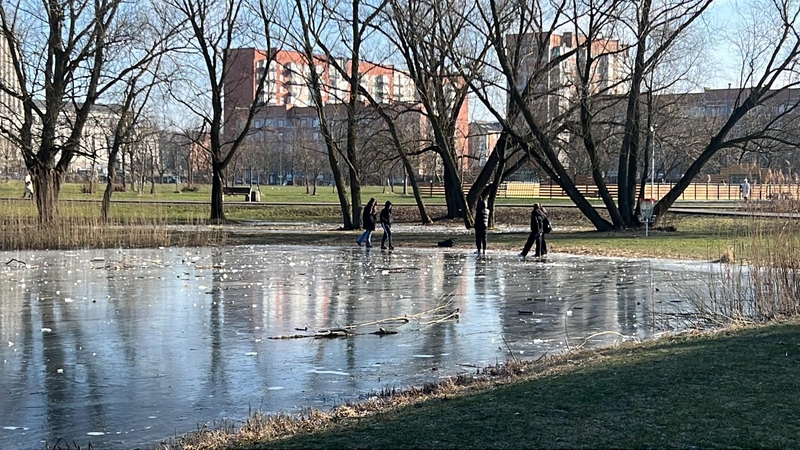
x=454 y=193
x=112 y=179
x=424 y=217
x=341 y=189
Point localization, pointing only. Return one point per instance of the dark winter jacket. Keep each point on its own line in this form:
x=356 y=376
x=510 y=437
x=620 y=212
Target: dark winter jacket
x=370 y=217
x=537 y=221
x=481 y=217
x=386 y=215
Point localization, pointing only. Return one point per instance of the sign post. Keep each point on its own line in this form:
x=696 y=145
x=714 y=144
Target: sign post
x=646 y=209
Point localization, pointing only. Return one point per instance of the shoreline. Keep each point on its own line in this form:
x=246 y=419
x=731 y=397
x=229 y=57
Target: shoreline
x=324 y=429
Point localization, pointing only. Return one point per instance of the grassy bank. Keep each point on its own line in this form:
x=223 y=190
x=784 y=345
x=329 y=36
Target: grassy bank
x=706 y=238
x=728 y=389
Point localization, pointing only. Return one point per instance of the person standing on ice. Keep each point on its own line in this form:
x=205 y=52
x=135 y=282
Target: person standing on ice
x=481 y=226
x=368 y=219
x=386 y=224
x=539 y=226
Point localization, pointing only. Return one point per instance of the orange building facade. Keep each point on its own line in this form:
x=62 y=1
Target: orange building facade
x=286 y=103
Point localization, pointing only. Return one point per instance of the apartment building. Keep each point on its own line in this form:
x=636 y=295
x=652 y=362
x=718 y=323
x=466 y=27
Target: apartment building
x=557 y=86
x=10 y=114
x=483 y=137
x=287 y=113
x=287 y=80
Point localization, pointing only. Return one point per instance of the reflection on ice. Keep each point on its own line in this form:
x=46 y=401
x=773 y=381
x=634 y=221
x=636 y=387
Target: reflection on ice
x=126 y=347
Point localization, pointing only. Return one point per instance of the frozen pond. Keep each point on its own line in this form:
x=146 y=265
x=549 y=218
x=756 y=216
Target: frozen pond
x=126 y=348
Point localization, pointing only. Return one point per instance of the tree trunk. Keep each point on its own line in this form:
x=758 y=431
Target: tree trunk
x=46 y=187
x=112 y=178
x=124 y=173
x=217 y=182
x=628 y=157
x=424 y=217
x=341 y=189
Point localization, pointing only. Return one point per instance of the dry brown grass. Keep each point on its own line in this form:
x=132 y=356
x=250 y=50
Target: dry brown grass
x=757 y=278
x=20 y=230
x=259 y=428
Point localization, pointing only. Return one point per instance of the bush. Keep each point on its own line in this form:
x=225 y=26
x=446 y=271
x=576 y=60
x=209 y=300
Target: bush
x=190 y=188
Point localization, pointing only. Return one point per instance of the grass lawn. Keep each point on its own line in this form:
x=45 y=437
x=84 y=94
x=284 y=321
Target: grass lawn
x=731 y=389
x=680 y=237
x=287 y=194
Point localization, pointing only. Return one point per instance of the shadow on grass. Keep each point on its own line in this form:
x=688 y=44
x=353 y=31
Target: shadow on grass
x=732 y=389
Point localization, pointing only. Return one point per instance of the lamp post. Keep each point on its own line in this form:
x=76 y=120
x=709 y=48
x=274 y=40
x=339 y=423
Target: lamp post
x=652 y=162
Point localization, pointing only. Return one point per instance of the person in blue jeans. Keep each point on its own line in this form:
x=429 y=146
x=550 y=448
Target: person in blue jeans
x=368 y=219
x=386 y=224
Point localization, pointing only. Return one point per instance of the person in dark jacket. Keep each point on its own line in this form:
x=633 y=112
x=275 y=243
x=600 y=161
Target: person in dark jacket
x=368 y=219
x=386 y=224
x=481 y=226
x=537 y=233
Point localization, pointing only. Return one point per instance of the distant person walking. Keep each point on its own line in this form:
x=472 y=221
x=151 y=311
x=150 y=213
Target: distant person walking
x=386 y=224
x=744 y=188
x=368 y=219
x=539 y=223
x=28 y=187
x=481 y=226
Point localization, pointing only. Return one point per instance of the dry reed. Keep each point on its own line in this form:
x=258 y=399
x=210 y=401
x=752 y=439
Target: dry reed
x=756 y=280
x=79 y=228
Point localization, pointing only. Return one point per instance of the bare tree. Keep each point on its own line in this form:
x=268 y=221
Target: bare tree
x=442 y=58
x=64 y=55
x=351 y=21
x=764 y=105
x=214 y=30
x=129 y=115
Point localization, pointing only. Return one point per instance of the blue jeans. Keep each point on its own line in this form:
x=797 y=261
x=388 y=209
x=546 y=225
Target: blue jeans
x=366 y=236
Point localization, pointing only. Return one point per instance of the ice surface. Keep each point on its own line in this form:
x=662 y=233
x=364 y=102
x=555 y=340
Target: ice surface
x=100 y=341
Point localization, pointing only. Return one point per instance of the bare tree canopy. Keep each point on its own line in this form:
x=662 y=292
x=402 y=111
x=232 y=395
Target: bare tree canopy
x=66 y=55
x=214 y=31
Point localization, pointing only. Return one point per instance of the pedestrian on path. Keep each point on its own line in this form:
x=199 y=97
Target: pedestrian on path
x=368 y=219
x=28 y=187
x=744 y=188
x=539 y=224
x=481 y=226
x=386 y=224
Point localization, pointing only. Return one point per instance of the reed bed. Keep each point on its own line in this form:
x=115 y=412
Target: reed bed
x=757 y=277
x=80 y=226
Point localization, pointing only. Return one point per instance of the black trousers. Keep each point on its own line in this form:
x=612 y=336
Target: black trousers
x=541 y=244
x=480 y=238
x=387 y=234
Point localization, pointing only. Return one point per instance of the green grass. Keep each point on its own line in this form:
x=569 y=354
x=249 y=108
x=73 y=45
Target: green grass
x=289 y=194
x=693 y=237
x=725 y=390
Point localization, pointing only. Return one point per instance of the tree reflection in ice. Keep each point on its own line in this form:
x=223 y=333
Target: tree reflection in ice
x=146 y=343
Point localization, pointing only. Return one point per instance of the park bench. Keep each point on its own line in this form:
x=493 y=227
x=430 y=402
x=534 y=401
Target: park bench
x=247 y=191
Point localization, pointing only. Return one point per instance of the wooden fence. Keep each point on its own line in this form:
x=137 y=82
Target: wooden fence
x=695 y=191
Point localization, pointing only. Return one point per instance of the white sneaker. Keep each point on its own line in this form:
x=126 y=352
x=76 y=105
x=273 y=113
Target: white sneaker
x=521 y=255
